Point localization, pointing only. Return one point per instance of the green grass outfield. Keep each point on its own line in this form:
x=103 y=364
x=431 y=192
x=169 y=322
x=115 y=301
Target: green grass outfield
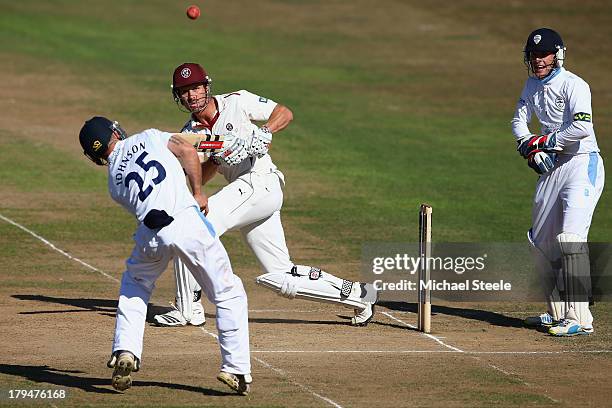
x=395 y=103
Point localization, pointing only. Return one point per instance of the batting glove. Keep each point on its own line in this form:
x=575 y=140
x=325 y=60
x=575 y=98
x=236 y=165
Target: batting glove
x=529 y=144
x=233 y=151
x=541 y=162
x=259 y=142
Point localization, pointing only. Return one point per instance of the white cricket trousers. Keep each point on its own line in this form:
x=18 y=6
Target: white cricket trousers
x=252 y=203
x=191 y=238
x=565 y=200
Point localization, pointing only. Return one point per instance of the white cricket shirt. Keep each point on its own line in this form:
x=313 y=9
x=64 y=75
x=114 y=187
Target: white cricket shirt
x=562 y=104
x=143 y=174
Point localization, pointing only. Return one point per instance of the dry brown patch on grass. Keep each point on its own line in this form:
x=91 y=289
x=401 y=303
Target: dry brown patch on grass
x=42 y=102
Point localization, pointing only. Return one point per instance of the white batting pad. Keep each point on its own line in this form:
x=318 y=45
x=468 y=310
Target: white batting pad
x=306 y=282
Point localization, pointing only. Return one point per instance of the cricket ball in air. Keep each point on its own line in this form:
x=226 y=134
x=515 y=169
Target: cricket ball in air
x=193 y=12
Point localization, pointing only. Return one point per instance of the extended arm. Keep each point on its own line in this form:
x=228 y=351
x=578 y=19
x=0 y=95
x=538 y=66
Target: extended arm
x=261 y=138
x=279 y=119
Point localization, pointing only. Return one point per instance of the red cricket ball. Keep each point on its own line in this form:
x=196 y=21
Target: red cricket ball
x=193 y=12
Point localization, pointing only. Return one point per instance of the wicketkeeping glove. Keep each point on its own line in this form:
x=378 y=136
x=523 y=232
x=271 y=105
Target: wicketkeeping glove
x=259 y=142
x=530 y=144
x=233 y=151
x=541 y=162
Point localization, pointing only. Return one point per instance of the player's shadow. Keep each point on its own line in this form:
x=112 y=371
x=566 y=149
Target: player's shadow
x=376 y=322
x=105 y=307
x=70 y=379
x=493 y=318
x=276 y=320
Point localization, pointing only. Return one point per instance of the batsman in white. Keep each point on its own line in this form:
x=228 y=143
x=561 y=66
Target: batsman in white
x=566 y=157
x=252 y=200
x=146 y=175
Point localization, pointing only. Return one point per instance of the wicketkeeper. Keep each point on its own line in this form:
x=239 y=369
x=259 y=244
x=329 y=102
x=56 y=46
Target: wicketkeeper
x=566 y=156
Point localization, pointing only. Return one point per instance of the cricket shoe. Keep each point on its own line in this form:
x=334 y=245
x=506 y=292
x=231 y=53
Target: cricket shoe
x=241 y=383
x=363 y=317
x=124 y=363
x=568 y=328
x=545 y=319
x=197 y=314
x=369 y=298
x=174 y=318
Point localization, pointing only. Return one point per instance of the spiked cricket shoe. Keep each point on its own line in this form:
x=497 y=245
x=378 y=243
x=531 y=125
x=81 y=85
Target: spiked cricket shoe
x=363 y=317
x=123 y=363
x=174 y=318
x=568 y=328
x=241 y=383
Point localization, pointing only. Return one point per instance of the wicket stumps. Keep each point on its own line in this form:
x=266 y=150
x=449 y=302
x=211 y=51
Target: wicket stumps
x=424 y=324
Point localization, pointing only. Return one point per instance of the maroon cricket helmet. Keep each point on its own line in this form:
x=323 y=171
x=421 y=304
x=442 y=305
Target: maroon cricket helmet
x=189 y=73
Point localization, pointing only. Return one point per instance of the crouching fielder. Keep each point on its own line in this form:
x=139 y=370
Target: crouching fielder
x=252 y=200
x=145 y=176
x=571 y=181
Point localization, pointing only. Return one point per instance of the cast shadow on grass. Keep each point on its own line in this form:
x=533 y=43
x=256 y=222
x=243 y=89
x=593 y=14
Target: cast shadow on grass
x=67 y=378
x=492 y=318
x=108 y=307
x=105 y=307
x=376 y=322
x=275 y=320
x=346 y=320
x=155 y=309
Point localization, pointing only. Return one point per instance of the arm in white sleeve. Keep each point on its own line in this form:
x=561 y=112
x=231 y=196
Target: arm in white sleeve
x=257 y=108
x=522 y=117
x=579 y=106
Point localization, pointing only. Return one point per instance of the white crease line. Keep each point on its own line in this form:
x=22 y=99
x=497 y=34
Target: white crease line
x=430 y=352
x=472 y=354
x=542 y=352
x=283 y=374
x=286 y=311
x=352 y=351
x=213 y=335
x=516 y=377
x=61 y=251
x=424 y=334
x=303 y=387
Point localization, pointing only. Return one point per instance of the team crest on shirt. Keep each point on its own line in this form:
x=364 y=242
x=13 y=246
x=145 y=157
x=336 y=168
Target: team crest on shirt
x=537 y=38
x=559 y=102
x=229 y=127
